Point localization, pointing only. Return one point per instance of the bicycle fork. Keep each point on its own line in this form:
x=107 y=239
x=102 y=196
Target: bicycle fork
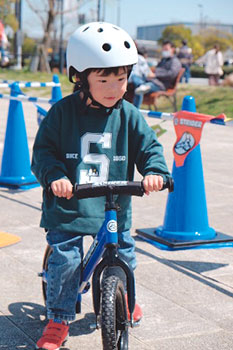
x=112 y=259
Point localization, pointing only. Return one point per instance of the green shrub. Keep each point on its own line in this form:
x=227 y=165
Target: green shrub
x=198 y=72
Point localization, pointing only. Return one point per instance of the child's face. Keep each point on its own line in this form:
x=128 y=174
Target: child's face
x=107 y=90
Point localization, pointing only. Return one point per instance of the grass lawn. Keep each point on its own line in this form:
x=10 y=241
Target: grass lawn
x=209 y=100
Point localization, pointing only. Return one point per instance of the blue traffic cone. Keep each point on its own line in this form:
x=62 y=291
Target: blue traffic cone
x=186 y=217
x=41 y=114
x=16 y=167
x=56 y=90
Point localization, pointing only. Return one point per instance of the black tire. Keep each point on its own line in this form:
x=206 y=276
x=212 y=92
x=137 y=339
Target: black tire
x=114 y=320
x=47 y=254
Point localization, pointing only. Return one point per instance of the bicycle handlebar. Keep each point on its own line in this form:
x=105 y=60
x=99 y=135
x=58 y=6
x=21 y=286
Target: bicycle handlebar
x=99 y=189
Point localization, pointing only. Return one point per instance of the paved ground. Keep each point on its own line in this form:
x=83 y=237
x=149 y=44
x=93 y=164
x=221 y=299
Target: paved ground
x=186 y=296
x=198 y=81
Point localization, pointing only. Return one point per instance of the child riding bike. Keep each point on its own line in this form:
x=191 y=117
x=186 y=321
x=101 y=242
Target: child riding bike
x=91 y=136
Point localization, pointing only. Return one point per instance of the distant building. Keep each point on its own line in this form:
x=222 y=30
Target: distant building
x=150 y=46
x=154 y=32
x=152 y=50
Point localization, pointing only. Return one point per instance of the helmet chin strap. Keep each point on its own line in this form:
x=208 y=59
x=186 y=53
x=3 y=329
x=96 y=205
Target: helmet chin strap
x=95 y=103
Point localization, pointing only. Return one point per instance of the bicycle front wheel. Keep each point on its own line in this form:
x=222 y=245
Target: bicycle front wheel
x=48 y=252
x=114 y=320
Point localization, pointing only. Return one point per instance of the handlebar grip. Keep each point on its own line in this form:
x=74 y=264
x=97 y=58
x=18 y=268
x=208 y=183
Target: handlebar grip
x=169 y=184
x=104 y=188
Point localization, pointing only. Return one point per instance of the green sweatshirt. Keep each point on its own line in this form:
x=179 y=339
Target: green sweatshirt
x=92 y=147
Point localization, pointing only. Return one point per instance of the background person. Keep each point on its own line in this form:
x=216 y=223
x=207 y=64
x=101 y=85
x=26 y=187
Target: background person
x=185 y=56
x=165 y=73
x=213 y=61
x=139 y=75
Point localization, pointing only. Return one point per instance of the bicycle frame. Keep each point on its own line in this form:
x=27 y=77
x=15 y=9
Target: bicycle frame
x=106 y=235
x=105 y=240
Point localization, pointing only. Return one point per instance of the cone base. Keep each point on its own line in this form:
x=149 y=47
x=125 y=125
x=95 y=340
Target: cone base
x=208 y=233
x=150 y=235
x=20 y=182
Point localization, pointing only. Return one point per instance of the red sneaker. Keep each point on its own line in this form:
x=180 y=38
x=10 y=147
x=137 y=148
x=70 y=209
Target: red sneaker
x=53 y=337
x=137 y=314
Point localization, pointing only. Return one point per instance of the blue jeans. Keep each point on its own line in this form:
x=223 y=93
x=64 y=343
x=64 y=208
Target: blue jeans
x=136 y=80
x=138 y=98
x=186 y=76
x=2 y=51
x=64 y=268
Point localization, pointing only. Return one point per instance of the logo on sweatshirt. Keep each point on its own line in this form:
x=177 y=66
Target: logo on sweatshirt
x=119 y=158
x=71 y=155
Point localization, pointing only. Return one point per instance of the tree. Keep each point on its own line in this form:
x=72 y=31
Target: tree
x=48 y=11
x=209 y=37
x=176 y=34
x=197 y=48
x=200 y=43
x=29 y=45
x=7 y=15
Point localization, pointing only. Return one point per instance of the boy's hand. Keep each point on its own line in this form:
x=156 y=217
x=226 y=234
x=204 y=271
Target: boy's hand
x=62 y=188
x=152 y=183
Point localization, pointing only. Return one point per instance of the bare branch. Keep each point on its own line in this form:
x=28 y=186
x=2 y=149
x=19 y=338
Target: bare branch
x=75 y=8
x=68 y=11
x=37 y=12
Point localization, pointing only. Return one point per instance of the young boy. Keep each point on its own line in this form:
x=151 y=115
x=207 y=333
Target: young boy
x=90 y=136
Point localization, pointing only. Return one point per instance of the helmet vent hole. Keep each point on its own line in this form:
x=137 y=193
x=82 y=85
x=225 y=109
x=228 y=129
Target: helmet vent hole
x=100 y=30
x=85 y=29
x=127 y=44
x=116 y=28
x=106 y=47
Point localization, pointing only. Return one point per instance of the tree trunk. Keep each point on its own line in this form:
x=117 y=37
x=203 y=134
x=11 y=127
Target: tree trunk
x=46 y=42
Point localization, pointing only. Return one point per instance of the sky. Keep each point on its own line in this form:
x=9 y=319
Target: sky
x=129 y=14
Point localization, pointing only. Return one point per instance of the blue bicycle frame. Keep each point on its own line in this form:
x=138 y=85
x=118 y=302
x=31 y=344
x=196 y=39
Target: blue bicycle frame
x=106 y=235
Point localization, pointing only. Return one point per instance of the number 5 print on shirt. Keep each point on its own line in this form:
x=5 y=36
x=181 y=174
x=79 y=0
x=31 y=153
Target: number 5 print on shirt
x=89 y=176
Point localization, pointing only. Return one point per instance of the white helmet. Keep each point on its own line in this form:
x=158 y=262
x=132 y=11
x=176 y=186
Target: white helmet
x=100 y=45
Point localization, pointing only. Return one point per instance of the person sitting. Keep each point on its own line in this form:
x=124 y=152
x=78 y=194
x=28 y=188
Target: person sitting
x=140 y=72
x=165 y=73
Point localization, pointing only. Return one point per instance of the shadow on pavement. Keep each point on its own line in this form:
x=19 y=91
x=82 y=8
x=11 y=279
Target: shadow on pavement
x=20 y=202
x=192 y=269
x=30 y=319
